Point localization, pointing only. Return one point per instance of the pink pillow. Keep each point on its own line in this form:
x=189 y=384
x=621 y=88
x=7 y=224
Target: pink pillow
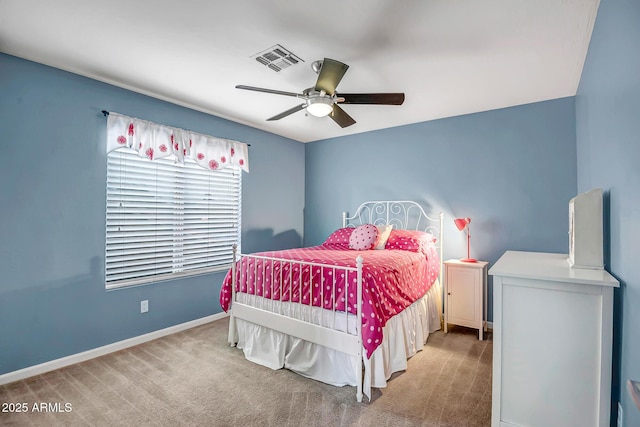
x=410 y=240
x=364 y=237
x=339 y=239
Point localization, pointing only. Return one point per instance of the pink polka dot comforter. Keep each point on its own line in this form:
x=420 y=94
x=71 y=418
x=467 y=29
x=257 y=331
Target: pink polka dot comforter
x=392 y=279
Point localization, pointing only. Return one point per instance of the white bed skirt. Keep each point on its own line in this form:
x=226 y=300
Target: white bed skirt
x=404 y=335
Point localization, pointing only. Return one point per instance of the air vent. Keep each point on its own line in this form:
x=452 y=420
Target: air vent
x=277 y=58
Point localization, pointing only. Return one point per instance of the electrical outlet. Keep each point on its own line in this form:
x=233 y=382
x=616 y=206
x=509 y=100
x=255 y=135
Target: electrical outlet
x=144 y=306
x=620 y=416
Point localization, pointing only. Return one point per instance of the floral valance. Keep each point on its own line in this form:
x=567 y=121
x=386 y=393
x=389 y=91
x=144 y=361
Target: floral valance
x=155 y=141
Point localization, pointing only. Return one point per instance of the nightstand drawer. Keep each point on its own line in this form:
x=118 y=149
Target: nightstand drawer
x=464 y=293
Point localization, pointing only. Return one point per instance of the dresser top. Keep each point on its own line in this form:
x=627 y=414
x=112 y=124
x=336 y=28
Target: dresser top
x=548 y=266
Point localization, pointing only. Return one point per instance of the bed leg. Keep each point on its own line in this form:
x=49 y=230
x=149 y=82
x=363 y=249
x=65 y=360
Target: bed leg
x=360 y=379
x=232 y=331
x=232 y=338
x=359 y=374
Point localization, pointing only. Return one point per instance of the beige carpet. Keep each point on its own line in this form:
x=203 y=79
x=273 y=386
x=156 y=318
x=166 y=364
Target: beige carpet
x=195 y=378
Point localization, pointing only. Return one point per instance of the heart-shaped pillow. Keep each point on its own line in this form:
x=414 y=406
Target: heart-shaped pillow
x=364 y=237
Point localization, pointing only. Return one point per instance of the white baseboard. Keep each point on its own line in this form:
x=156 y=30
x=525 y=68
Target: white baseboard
x=490 y=325
x=52 y=365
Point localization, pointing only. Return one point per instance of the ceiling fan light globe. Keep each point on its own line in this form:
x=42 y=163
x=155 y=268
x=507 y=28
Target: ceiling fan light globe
x=319 y=107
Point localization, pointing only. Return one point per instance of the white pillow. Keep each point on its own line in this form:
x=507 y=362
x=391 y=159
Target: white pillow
x=383 y=235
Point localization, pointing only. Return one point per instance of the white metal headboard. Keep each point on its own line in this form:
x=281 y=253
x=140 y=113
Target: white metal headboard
x=404 y=215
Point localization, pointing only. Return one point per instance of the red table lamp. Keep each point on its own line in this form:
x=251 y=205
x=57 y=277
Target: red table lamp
x=463 y=223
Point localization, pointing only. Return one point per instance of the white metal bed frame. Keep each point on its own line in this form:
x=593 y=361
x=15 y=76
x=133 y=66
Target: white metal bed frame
x=403 y=215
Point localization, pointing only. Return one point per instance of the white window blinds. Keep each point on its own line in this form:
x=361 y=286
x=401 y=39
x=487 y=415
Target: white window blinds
x=166 y=219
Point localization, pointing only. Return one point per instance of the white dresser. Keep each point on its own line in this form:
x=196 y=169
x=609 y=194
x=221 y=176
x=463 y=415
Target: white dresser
x=552 y=332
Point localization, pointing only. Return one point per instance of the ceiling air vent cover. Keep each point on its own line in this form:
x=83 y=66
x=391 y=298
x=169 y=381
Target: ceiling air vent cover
x=277 y=58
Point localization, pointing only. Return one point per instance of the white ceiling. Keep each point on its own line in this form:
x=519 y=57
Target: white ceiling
x=450 y=57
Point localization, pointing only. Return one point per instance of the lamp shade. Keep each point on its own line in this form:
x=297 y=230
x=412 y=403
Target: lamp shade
x=461 y=224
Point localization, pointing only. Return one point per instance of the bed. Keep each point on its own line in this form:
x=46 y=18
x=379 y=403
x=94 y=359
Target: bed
x=350 y=311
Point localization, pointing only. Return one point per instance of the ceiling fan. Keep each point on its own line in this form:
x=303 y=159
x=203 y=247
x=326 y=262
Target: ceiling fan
x=322 y=99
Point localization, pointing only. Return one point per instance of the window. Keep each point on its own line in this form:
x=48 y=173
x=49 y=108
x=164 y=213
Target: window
x=166 y=220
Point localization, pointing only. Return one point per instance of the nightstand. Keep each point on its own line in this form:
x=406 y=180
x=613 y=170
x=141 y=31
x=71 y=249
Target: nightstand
x=465 y=294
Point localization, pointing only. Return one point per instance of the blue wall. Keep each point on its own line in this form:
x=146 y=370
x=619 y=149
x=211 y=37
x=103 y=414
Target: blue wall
x=513 y=171
x=52 y=189
x=608 y=148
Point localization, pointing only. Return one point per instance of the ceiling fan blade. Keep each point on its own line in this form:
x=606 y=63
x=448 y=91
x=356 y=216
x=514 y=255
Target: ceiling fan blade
x=330 y=75
x=288 y=112
x=372 y=98
x=341 y=117
x=260 y=89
